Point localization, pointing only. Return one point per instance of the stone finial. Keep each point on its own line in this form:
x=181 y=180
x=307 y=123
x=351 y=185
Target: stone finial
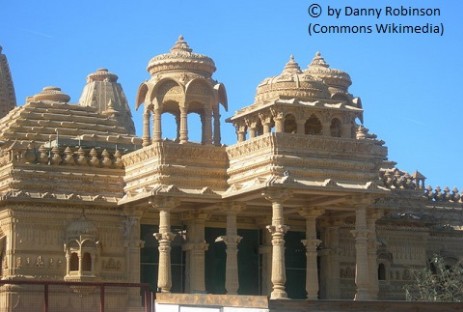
x=292 y=67
x=318 y=60
x=181 y=46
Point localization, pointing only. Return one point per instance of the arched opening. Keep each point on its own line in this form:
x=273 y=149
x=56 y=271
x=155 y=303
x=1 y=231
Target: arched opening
x=169 y=125
x=290 y=125
x=335 y=128
x=259 y=128
x=74 y=262
x=195 y=127
x=87 y=262
x=313 y=126
x=381 y=272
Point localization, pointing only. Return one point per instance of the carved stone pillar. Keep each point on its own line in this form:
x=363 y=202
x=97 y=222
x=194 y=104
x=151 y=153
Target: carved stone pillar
x=146 y=128
x=157 y=132
x=361 y=232
x=332 y=263
x=278 y=230
x=251 y=124
x=207 y=137
x=183 y=135
x=195 y=248
x=372 y=254
x=132 y=242
x=311 y=243
x=164 y=237
x=300 y=126
x=231 y=240
x=266 y=123
x=266 y=251
x=279 y=119
x=326 y=128
x=217 y=134
x=240 y=132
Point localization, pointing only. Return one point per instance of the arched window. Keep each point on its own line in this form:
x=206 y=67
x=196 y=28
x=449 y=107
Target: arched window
x=313 y=126
x=87 y=262
x=335 y=128
x=381 y=272
x=290 y=125
x=259 y=128
x=74 y=262
x=170 y=125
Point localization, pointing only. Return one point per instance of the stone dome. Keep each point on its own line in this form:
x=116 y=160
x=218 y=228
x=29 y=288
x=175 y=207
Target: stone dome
x=182 y=58
x=81 y=226
x=53 y=94
x=334 y=78
x=292 y=83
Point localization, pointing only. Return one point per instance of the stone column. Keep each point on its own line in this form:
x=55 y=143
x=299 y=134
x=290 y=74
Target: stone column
x=266 y=251
x=183 y=135
x=332 y=267
x=195 y=248
x=164 y=237
x=240 y=132
x=217 y=134
x=231 y=240
x=372 y=253
x=157 y=132
x=300 y=126
x=278 y=230
x=326 y=128
x=279 y=119
x=132 y=243
x=311 y=243
x=146 y=128
x=207 y=128
x=362 y=271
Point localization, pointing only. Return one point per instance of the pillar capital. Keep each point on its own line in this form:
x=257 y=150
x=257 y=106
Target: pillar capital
x=361 y=200
x=361 y=234
x=277 y=229
x=374 y=215
x=311 y=212
x=233 y=207
x=229 y=240
x=311 y=244
x=276 y=195
x=163 y=202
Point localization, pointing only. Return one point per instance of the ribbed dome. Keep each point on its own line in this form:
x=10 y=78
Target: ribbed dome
x=51 y=94
x=334 y=78
x=292 y=83
x=182 y=57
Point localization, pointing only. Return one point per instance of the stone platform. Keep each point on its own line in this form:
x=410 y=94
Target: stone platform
x=230 y=303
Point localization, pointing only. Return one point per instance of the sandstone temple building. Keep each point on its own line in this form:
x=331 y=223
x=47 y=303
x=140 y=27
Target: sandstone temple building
x=305 y=203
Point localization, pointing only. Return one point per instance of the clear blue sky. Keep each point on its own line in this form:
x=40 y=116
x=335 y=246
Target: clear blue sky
x=410 y=85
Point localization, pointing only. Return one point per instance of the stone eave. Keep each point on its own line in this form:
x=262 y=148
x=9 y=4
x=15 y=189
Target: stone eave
x=203 y=195
x=327 y=186
x=321 y=104
x=57 y=198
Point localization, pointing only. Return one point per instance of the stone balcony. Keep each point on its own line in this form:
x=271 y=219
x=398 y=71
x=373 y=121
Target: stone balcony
x=188 y=169
x=304 y=161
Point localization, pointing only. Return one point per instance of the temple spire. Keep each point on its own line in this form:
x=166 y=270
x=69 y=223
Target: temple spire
x=7 y=94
